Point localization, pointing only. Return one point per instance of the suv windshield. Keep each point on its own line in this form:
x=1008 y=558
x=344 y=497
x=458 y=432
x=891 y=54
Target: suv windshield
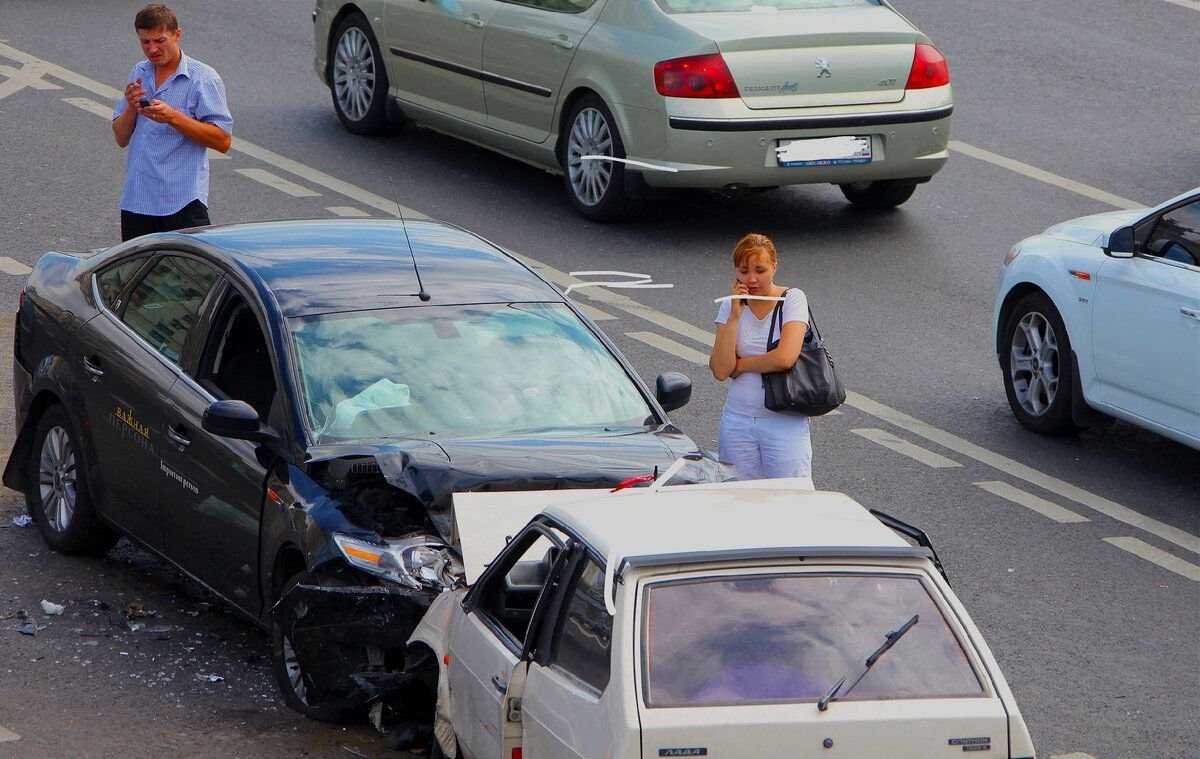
x=784 y=638
x=459 y=371
x=726 y=6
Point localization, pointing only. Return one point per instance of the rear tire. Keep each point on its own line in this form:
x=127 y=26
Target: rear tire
x=358 y=78
x=295 y=687
x=58 y=496
x=596 y=187
x=878 y=195
x=1036 y=359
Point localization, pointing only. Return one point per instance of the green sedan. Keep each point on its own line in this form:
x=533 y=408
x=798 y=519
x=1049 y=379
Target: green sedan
x=629 y=98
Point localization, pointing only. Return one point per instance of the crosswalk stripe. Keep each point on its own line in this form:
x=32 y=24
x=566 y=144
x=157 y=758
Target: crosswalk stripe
x=1030 y=501
x=912 y=450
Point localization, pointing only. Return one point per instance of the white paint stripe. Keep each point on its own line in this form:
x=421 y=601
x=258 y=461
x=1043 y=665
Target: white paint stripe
x=348 y=211
x=216 y=155
x=1193 y=4
x=13 y=266
x=1073 y=755
x=595 y=314
x=1030 y=501
x=279 y=183
x=7 y=735
x=1157 y=556
x=1042 y=175
x=1028 y=474
x=913 y=451
x=91 y=106
x=670 y=346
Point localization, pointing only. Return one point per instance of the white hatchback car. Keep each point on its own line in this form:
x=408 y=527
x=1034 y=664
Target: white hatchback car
x=727 y=620
x=1099 y=317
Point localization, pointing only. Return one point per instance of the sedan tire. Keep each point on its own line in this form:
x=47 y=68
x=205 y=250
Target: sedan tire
x=1038 y=374
x=596 y=187
x=58 y=496
x=878 y=195
x=358 y=78
x=294 y=686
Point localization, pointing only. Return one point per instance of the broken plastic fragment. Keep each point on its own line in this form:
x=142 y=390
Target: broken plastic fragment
x=158 y=632
x=22 y=520
x=51 y=608
x=29 y=628
x=209 y=678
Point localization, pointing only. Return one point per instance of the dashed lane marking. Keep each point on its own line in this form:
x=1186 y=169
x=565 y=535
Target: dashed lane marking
x=1074 y=755
x=595 y=314
x=670 y=346
x=7 y=735
x=913 y=451
x=13 y=266
x=347 y=211
x=1193 y=4
x=1157 y=556
x=1030 y=501
x=277 y=182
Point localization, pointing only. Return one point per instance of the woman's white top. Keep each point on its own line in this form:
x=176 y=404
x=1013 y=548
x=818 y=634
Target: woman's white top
x=746 y=390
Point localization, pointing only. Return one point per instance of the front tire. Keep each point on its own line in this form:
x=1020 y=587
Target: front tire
x=358 y=78
x=1037 y=363
x=596 y=187
x=295 y=687
x=878 y=195
x=58 y=496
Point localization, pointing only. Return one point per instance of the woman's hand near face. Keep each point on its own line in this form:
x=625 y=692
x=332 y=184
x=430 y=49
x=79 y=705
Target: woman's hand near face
x=736 y=305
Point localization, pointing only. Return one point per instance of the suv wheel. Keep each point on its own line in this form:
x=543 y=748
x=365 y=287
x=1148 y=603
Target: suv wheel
x=1036 y=361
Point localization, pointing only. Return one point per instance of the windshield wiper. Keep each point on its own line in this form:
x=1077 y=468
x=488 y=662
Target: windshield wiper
x=858 y=671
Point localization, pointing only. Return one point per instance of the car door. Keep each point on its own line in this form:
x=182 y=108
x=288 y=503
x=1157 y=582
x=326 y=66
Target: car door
x=211 y=495
x=527 y=48
x=130 y=354
x=487 y=645
x=435 y=50
x=564 y=705
x=1146 y=323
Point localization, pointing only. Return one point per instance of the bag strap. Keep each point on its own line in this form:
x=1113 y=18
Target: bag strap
x=776 y=314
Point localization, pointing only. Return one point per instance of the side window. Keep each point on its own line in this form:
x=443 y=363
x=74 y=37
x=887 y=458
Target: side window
x=163 y=306
x=510 y=595
x=584 y=638
x=1176 y=236
x=562 y=6
x=236 y=363
x=111 y=282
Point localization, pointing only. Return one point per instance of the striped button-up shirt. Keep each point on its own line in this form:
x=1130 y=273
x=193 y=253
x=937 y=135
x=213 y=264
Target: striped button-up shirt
x=164 y=170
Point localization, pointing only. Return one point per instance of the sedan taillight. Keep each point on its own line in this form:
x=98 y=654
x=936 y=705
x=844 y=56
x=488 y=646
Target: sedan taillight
x=929 y=69
x=697 y=76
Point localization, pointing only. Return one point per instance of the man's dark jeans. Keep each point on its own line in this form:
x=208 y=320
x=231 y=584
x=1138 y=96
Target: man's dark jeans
x=194 y=214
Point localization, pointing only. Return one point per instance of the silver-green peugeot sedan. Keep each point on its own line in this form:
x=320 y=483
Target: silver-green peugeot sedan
x=628 y=98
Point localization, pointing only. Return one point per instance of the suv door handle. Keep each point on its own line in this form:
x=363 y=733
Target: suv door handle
x=178 y=433
x=498 y=684
x=91 y=365
x=562 y=41
x=1192 y=312
x=474 y=20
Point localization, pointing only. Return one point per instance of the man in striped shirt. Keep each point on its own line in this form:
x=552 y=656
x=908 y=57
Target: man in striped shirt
x=172 y=111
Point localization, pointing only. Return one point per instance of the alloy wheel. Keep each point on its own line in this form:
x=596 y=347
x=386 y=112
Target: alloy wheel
x=590 y=135
x=354 y=74
x=295 y=675
x=1034 y=363
x=56 y=479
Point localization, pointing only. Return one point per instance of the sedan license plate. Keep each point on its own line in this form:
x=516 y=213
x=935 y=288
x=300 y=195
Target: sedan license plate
x=824 y=151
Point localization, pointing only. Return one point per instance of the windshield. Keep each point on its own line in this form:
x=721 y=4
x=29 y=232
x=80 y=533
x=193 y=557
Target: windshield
x=459 y=371
x=784 y=638
x=718 y=6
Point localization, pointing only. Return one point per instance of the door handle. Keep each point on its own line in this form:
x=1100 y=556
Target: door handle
x=498 y=684
x=178 y=433
x=474 y=20
x=1192 y=312
x=91 y=365
x=562 y=41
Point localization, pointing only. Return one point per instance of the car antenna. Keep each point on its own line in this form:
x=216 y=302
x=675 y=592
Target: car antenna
x=404 y=225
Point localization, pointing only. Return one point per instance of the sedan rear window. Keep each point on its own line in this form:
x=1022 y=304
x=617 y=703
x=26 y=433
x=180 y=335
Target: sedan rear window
x=726 y=6
x=786 y=638
x=461 y=371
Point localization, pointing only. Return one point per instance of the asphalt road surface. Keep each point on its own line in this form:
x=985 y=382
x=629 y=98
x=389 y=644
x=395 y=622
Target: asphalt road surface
x=1078 y=558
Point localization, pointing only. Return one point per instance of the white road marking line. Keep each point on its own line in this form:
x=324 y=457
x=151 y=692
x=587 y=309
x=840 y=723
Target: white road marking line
x=91 y=106
x=670 y=346
x=1192 y=4
x=13 y=266
x=216 y=155
x=595 y=314
x=1020 y=471
x=279 y=183
x=347 y=211
x=29 y=75
x=1073 y=755
x=1030 y=501
x=7 y=735
x=1042 y=175
x=1157 y=556
x=913 y=451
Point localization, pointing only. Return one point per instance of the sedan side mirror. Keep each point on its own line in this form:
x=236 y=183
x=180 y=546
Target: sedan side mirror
x=237 y=420
x=673 y=390
x=1121 y=243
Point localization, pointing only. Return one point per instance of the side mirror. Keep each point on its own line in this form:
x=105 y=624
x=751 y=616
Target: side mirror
x=237 y=420
x=673 y=390
x=1121 y=243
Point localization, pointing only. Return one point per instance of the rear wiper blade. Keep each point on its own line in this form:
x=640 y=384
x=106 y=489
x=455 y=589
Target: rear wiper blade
x=858 y=671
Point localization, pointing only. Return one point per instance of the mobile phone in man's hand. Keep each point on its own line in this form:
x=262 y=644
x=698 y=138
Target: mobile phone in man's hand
x=144 y=103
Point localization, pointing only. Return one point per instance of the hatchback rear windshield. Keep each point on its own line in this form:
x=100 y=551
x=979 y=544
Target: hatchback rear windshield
x=459 y=371
x=788 y=638
x=727 y=6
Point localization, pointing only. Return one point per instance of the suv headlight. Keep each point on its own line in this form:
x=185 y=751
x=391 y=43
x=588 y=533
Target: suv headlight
x=423 y=562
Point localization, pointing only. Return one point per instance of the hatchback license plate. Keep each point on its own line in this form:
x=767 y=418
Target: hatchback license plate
x=824 y=151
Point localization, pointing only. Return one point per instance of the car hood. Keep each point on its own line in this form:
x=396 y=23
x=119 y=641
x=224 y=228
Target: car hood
x=431 y=472
x=1093 y=230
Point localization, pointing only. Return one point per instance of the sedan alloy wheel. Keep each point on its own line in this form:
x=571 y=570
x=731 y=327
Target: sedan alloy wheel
x=56 y=479
x=358 y=79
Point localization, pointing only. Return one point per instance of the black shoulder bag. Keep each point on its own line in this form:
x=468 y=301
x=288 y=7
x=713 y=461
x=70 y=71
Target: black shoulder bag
x=811 y=386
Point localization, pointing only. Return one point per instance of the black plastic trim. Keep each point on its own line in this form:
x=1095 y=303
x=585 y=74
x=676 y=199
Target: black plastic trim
x=808 y=122
x=473 y=73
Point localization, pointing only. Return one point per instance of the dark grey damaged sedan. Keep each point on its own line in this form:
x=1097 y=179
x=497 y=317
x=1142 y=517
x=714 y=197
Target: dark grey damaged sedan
x=283 y=411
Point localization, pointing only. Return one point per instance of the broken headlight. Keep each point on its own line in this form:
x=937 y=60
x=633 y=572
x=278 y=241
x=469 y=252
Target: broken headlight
x=423 y=562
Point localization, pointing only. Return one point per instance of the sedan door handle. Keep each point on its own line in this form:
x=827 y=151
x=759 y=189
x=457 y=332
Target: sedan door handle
x=178 y=433
x=562 y=41
x=1192 y=312
x=91 y=365
x=498 y=684
x=474 y=20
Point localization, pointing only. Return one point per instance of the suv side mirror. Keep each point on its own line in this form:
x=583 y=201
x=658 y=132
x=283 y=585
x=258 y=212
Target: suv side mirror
x=237 y=420
x=673 y=390
x=1121 y=243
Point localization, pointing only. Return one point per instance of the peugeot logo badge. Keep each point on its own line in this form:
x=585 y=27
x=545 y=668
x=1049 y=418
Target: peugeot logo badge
x=823 y=68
